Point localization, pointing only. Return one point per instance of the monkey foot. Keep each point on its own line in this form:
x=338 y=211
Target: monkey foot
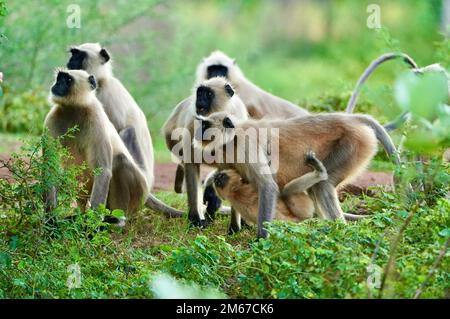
x=233 y=229
x=212 y=201
x=197 y=222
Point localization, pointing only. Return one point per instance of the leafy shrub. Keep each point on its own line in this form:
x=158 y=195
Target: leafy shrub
x=23 y=112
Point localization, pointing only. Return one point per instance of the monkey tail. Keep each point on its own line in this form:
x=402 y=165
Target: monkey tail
x=353 y=217
x=367 y=72
x=382 y=136
x=157 y=205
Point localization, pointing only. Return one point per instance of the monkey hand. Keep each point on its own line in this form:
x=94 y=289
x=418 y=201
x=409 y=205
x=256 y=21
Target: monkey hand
x=212 y=201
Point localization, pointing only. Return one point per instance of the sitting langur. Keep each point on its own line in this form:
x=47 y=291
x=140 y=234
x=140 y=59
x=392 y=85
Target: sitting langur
x=123 y=111
x=214 y=95
x=344 y=143
x=296 y=206
x=120 y=183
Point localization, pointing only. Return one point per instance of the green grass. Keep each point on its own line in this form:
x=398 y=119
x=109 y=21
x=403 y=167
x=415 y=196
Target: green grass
x=309 y=260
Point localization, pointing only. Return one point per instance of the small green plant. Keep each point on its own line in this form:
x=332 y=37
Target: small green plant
x=23 y=113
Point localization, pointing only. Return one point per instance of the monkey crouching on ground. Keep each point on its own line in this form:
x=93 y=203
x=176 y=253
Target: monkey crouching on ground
x=120 y=183
x=344 y=143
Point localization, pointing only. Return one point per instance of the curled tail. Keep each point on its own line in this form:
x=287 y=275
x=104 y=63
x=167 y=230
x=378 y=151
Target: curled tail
x=367 y=72
x=382 y=136
x=157 y=205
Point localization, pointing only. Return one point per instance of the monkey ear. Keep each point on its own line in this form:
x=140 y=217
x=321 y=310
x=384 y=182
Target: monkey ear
x=105 y=55
x=92 y=82
x=229 y=90
x=234 y=62
x=227 y=123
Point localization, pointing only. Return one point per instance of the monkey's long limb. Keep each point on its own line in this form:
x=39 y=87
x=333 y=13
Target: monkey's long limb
x=179 y=176
x=325 y=196
x=128 y=136
x=235 y=222
x=194 y=194
x=370 y=69
x=267 y=194
x=304 y=182
x=100 y=188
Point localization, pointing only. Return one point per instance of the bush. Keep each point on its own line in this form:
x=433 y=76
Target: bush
x=23 y=112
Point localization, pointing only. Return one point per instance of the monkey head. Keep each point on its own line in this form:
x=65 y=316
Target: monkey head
x=225 y=181
x=72 y=87
x=215 y=95
x=92 y=58
x=218 y=64
x=214 y=131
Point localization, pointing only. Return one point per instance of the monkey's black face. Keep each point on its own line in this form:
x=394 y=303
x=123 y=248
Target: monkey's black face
x=227 y=123
x=205 y=97
x=63 y=84
x=76 y=60
x=217 y=70
x=221 y=180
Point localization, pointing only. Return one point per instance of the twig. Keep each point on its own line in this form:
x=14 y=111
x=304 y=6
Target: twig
x=433 y=269
x=387 y=268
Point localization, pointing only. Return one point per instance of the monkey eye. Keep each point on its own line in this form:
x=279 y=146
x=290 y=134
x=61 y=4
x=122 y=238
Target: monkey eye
x=227 y=123
x=229 y=90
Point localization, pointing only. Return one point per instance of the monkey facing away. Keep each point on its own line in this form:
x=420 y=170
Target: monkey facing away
x=344 y=143
x=120 y=183
x=123 y=111
x=214 y=95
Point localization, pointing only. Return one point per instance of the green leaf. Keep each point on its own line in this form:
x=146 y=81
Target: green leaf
x=422 y=95
x=445 y=232
x=14 y=242
x=5 y=259
x=118 y=213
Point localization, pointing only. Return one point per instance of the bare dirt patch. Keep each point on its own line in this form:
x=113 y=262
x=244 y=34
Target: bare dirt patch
x=165 y=178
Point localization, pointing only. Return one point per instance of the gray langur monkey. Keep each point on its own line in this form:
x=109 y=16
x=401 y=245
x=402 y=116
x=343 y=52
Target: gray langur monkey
x=344 y=143
x=122 y=111
x=210 y=96
x=120 y=183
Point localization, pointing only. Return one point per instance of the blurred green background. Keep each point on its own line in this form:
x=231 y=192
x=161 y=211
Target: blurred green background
x=309 y=52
